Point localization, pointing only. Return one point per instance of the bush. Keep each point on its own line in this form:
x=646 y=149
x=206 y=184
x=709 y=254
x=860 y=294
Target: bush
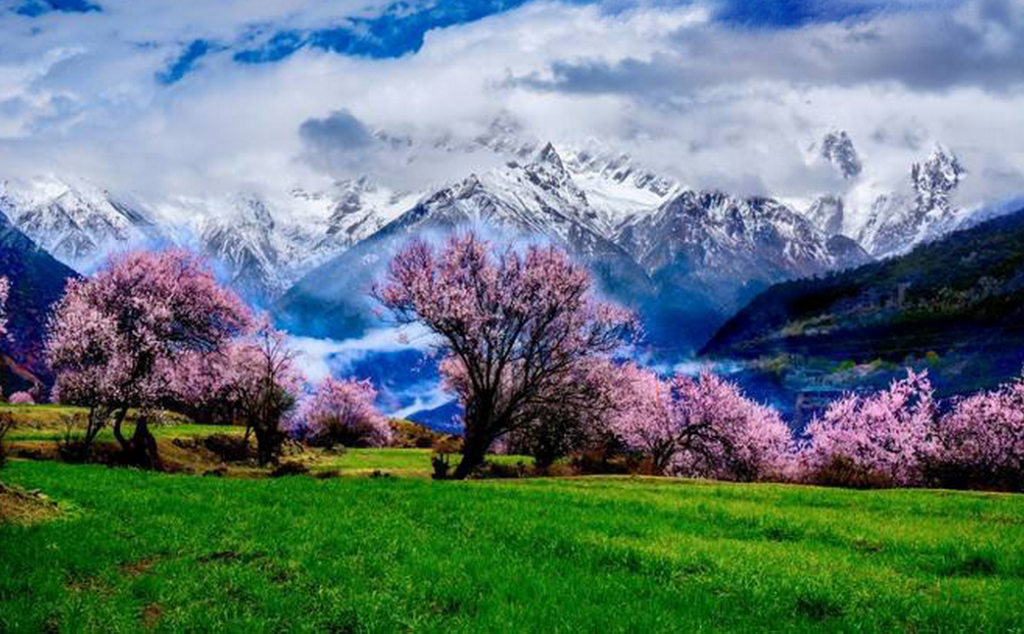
x=841 y=471
x=290 y=468
x=409 y=435
x=229 y=448
x=21 y=398
x=6 y=423
x=503 y=470
x=599 y=462
x=441 y=462
x=343 y=412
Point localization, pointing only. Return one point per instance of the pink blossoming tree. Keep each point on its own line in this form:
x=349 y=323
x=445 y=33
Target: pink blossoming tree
x=882 y=437
x=117 y=339
x=344 y=412
x=5 y=289
x=262 y=383
x=703 y=427
x=513 y=328
x=980 y=441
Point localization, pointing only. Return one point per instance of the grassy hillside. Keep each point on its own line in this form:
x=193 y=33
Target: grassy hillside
x=960 y=298
x=177 y=553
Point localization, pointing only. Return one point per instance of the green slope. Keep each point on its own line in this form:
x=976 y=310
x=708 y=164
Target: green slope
x=961 y=297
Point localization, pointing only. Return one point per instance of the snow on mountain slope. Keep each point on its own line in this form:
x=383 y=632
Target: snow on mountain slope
x=264 y=246
x=723 y=244
x=76 y=221
x=685 y=263
x=898 y=222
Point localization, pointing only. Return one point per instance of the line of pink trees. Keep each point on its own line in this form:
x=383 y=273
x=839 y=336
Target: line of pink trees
x=155 y=330
x=535 y=359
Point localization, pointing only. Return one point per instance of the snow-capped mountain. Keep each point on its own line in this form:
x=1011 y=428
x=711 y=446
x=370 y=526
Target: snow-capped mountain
x=725 y=245
x=263 y=247
x=898 y=221
x=828 y=213
x=691 y=259
x=894 y=220
x=76 y=221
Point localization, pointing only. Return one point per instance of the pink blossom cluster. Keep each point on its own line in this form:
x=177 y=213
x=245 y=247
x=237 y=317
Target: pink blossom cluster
x=886 y=434
x=120 y=337
x=343 y=412
x=701 y=427
x=980 y=442
x=21 y=398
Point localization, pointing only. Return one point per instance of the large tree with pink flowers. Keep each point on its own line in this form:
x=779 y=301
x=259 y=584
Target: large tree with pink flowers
x=700 y=427
x=117 y=339
x=514 y=328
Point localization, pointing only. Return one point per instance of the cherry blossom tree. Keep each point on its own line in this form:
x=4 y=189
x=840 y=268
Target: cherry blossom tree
x=262 y=383
x=5 y=288
x=512 y=328
x=980 y=441
x=344 y=412
x=555 y=428
x=117 y=339
x=701 y=427
x=882 y=436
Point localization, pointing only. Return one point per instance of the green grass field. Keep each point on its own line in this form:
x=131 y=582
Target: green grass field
x=136 y=549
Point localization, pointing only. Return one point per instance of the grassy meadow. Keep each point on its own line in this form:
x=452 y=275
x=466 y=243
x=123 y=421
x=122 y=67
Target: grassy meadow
x=135 y=550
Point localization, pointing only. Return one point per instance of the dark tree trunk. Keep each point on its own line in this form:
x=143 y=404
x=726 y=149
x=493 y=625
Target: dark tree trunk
x=268 y=444
x=144 y=452
x=474 y=450
x=118 y=419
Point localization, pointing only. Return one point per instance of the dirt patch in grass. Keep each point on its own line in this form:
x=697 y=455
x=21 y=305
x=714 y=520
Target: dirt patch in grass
x=151 y=615
x=25 y=507
x=229 y=556
x=138 y=568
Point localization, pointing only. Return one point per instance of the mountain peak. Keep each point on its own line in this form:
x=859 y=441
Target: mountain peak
x=837 y=148
x=549 y=155
x=938 y=176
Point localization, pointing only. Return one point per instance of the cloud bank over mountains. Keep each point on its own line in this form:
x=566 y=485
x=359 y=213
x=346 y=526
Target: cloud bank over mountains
x=197 y=99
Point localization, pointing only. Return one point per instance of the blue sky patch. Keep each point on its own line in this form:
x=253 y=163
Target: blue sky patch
x=186 y=62
x=399 y=30
x=35 y=8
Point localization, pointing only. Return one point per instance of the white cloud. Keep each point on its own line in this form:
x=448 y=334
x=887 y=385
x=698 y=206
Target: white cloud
x=320 y=358
x=713 y=105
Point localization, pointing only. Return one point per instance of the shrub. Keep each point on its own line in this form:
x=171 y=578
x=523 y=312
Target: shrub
x=289 y=468
x=503 y=470
x=409 y=435
x=343 y=412
x=441 y=463
x=21 y=398
x=229 y=448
